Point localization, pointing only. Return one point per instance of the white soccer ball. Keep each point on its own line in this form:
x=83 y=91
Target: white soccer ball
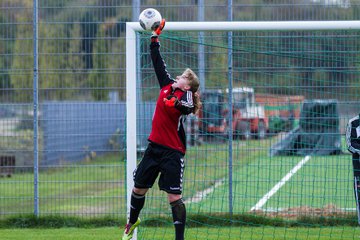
x=150 y=19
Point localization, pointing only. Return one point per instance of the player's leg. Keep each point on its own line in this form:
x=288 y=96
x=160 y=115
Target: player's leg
x=179 y=214
x=171 y=179
x=137 y=203
x=356 y=169
x=144 y=177
x=356 y=190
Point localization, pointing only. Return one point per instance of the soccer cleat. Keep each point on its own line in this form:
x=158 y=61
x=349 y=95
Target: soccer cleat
x=129 y=230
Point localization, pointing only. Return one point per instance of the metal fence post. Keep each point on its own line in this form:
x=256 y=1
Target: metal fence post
x=36 y=103
x=230 y=106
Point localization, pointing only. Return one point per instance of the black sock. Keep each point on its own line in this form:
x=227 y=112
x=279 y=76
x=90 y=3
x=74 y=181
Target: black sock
x=137 y=203
x=179 y=216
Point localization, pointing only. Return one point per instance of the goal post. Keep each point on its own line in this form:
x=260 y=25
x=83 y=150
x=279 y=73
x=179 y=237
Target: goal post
x=133 y=27
x=132 y=72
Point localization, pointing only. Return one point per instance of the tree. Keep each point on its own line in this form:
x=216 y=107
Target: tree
x=7 y=33
x=22 y=65
x=88 y=32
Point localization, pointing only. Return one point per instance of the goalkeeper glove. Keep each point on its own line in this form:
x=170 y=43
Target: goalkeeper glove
x=159 y=29
x=171 y=101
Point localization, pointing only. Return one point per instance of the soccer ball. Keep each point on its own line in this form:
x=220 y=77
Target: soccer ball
x=150 y=19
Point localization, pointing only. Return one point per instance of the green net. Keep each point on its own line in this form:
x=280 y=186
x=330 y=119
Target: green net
x=284 y=172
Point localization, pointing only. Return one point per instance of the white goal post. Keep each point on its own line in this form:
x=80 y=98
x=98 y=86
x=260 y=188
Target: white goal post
x=131 y=64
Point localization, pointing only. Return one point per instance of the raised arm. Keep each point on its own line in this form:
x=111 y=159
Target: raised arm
x=162 y=74
x=159 y=65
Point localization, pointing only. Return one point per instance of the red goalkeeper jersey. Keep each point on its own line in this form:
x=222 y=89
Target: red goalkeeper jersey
x=167 y=124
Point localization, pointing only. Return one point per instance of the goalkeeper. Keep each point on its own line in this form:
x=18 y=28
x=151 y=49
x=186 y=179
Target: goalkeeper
x=353 y=144
x=167 y=142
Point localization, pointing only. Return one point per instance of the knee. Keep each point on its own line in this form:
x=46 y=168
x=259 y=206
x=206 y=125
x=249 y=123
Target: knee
x=173 y=197
x=140 y=191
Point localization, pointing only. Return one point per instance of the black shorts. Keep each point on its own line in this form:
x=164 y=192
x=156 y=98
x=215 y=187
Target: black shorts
x=158 y=159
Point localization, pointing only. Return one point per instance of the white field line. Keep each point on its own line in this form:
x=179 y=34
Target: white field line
x=275 y=210
x=267 y=196
x=199 y=196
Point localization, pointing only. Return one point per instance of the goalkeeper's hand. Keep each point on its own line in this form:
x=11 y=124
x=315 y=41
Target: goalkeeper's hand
x=159 y=29
x=171 y=101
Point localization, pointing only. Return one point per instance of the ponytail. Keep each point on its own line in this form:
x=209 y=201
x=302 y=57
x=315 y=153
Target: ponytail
x=197 y=102
x=194 y=87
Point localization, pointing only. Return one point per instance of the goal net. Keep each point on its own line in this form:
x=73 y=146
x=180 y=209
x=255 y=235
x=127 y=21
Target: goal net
x=267 y=150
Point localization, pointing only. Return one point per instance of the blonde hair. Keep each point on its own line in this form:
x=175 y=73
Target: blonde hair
x=194 y=88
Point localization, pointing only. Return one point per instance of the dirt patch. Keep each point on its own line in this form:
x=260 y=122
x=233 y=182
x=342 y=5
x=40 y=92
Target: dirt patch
x=330 y=210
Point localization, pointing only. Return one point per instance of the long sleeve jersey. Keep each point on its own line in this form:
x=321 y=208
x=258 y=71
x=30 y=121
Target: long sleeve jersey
x=167 y=124
x=353 y=135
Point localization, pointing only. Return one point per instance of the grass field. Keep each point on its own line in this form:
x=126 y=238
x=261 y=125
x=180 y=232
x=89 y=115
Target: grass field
x=322 y=182
x=113 y=233
x=86 y=188
x=75 y=189
x=98 y=187
x=321 y=187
